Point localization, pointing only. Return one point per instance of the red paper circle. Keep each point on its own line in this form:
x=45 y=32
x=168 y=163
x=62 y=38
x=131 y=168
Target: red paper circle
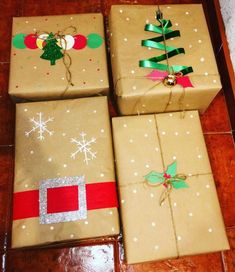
x=79 y=42
x=30 y=41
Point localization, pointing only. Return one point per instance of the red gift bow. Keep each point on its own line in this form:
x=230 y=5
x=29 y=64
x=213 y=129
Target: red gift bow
x=184 y=81
x=98 y=196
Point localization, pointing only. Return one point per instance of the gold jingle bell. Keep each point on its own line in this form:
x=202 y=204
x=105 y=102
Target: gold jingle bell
x=170 y=80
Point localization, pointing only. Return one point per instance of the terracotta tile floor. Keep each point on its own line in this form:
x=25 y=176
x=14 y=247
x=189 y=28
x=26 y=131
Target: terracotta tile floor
x=104 y=254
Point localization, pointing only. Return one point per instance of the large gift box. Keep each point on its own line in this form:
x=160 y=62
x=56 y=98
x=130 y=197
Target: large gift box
x=169 y=205
x=147 y=44
x=55 y=57
x=64 y=186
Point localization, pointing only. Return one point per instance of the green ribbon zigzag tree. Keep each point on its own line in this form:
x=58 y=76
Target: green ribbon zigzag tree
x=166 y=33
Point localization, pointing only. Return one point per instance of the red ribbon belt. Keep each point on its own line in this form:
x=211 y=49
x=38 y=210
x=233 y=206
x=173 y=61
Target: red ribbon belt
x=98 y=196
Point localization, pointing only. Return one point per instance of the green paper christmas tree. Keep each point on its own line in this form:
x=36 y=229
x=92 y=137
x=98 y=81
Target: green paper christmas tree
x=52 y=51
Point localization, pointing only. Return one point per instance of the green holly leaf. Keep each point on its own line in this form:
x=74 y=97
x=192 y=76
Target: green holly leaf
x=171 y=169
x=179 y=184
x=154 y=177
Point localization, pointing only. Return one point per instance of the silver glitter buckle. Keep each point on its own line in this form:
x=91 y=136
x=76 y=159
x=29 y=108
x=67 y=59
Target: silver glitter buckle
x=49 y=218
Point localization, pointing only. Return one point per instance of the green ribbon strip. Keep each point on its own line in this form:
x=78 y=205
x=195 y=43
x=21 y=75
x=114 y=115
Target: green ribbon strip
x=167 y=33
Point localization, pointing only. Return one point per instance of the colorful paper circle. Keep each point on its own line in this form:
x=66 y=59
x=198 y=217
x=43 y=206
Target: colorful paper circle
x=41 y=40
x=31 y=41
x=94 y=40
x=67 y=42
x=18 y=41
x=80 y=42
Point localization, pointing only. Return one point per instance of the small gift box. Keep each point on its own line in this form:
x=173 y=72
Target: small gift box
x=162 y=59
x=64 y=186
x=169 y=205
x=55 y=57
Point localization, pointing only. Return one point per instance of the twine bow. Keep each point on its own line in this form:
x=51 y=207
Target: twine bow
x=169 y=179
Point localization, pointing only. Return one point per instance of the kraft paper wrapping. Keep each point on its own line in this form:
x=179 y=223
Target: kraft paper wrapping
x=189 y=221
x=33 y=78
x=37 y=160
x=137 y=94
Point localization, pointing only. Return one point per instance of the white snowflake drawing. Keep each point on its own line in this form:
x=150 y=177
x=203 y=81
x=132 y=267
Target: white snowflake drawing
x=40 y=125
x=84 y=147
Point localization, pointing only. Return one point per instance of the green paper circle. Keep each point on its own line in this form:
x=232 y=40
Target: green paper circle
x=18 y=41
x=94 y=40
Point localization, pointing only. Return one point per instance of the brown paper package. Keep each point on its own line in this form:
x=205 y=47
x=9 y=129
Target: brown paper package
x=189 y=222
x=37 y=160
x=34 y=79
x=137 y=94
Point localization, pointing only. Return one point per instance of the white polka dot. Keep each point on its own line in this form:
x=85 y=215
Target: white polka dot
x=214 y=80
x=94 y=111
x=179 y=238
x=62 y=78
x=125 y=125
x=25 y=110
x=86 y=222
x=174 y=204
x=153 y=224
x=191 y=116
x=202 y=59
x=101 y=80
x=26 y=22
x=147 y=21
x=136 y=174
x=199 y=41
x=172 y=39
x=26 y=185
x=189 y=174
x=210 y=229
x=157 y=149
x=135 y=239
x=156 y=247
x=176 y=24
x=174 y=158
x=49 y=159
x=176 y=133
x=122 y=201
x=113 y=229
x=130 y=141
x=132 y=160
x=31 y=152
x=187 y=132
x=163 y=133
x=150 y=120
x=134 y=87
x=195 y=29
x=170 y=114
x=68 y=111
x=197 y=194
x=147 y=166
x=23 y=227
x=121 y=11
x=152 y=195
x=84 y=70
x=127 y=18
x=102 y=174
x=111 y=212
x=65 y=165
x=190 y=46
x=168 y=7
x=51 y=228
x=190 y=214
x=132 y=71
x=206 y=74
x=187 y=13
x=125 y=39
x=102 y=130
x=207 y=186
x=71 y=235
x=199 y=156
x=134 y=191
x=34 y=67
x=145 y=135
x=149 y=48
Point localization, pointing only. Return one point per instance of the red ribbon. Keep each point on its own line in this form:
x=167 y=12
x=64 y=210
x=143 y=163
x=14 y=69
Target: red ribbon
x=98 y=196
x=184 y=81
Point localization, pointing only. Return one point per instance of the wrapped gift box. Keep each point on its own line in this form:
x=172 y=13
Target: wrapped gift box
x=38 y=70
x=163 y=220
x=141 y=90
x=64 y=186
